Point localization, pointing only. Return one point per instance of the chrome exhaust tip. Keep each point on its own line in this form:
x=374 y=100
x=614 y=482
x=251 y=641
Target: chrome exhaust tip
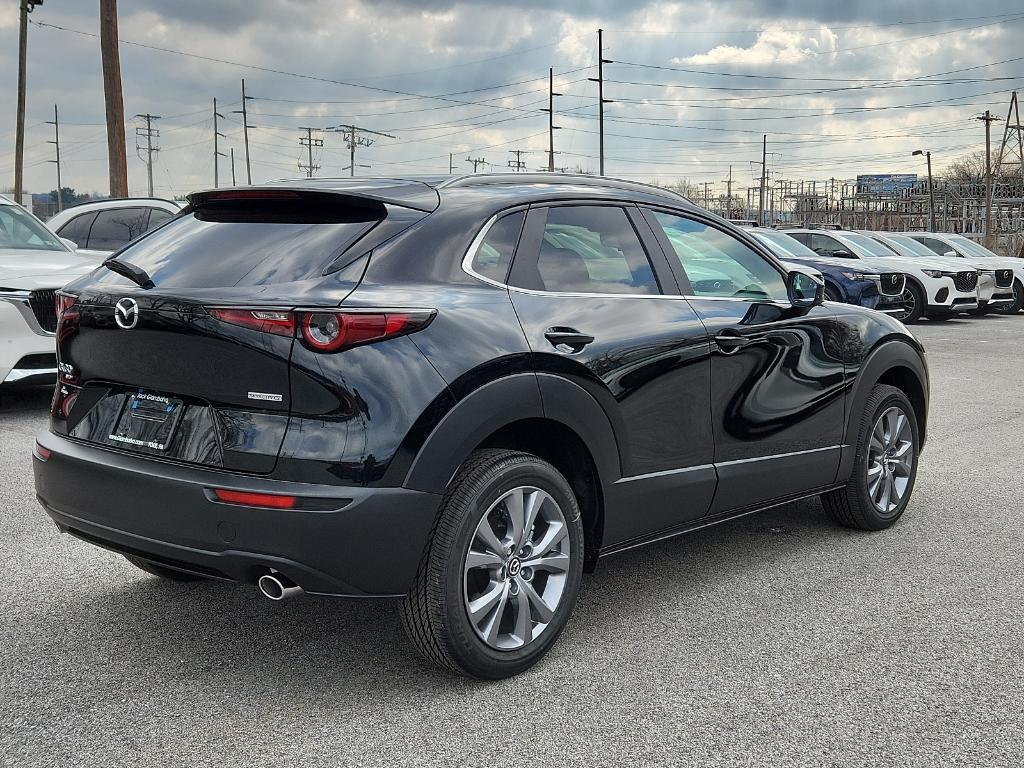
x=278 y=587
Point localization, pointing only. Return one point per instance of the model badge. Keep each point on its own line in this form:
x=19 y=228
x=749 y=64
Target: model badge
x=126 y=313
x=270 y=397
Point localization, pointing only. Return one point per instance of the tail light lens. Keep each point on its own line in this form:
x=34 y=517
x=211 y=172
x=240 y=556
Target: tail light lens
x=251 y=499
x=63 y=302
x=329 y=331
x=265 y=320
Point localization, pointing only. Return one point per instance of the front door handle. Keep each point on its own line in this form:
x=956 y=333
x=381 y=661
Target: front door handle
x=569 y=337
x=730 y=341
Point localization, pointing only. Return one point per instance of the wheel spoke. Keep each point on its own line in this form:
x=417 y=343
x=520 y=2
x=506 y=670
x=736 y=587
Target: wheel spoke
x=552 y=538
x=875 y=484
x=555 y=562
x=897 y=432
x=894 y=494
x=477 y=559
x=533 y=504
x=883 y=502
x=486 y=534
x=482 y=606
x=542 y=609
x=514 y=506
x=521 y=617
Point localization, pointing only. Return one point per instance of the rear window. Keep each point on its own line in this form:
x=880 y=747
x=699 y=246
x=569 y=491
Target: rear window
x=248 y=243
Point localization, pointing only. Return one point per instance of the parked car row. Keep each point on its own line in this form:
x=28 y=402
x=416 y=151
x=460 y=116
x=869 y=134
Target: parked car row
x=909 y=275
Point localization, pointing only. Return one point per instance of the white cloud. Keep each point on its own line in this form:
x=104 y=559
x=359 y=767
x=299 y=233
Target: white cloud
x=773 y=46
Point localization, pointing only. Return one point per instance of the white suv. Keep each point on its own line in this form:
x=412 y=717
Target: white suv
x=995 y=286
x=34 y=263
x=960 y=247
x=934 y=289
x=102 y=227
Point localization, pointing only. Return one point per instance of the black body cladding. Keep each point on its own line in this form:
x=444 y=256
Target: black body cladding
x=673 y=406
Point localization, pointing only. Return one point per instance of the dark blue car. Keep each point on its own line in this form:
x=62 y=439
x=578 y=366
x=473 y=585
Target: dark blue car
x=844 y=281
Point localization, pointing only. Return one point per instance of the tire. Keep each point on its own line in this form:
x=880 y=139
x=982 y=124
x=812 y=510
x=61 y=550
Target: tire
x=164 y=573
x=913 y=303
x=1013 y=307
x=855 y=506
x=831 y=294
x=436 y=612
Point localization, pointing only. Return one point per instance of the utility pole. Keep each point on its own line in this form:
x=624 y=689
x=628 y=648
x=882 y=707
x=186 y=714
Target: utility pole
x=988 y=119
x=245 y=132
x=117 y=155
x=148 y=133
x=233 y=167
x=517 y=165
x=217 y=154
x=764 y=180
x=56 y=144
x=601 y=100
x=451 y=164
x=25 y=8
x=728 y=194
x=359 y=137
x=931 y=192
x=476 y=162
x=309 y=142
x=551 y=119
x=706 y=185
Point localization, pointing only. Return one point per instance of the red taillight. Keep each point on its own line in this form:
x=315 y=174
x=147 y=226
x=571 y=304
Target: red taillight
x=63 y=302
x=42 y=453
x=328 y=331
x=332 y=331
x=250 y=194
x=250 y=499
x=275 y=321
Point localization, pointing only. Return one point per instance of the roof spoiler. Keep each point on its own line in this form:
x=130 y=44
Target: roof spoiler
x=405 y=194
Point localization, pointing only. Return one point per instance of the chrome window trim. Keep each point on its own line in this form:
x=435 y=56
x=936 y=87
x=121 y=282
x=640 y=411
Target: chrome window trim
x=467 y=267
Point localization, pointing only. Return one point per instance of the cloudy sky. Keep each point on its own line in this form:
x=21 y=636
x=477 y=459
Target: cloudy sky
x=840 y=88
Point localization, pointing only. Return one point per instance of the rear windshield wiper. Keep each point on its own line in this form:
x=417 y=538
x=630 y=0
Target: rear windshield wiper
x=137 y=275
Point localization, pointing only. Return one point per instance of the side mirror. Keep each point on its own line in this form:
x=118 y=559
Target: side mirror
x=842 y=254
x=951 y=254
x=804 y=290
x=71 y=244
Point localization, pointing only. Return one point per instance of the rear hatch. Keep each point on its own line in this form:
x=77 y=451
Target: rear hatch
x=193 y=364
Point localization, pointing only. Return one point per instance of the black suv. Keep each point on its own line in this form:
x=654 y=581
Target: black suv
x=461 y=392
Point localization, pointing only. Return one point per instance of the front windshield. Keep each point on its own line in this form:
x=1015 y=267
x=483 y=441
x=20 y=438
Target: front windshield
x=908 y=246
x=972 y=248
x=865 y=244
x=19 y=229
x=783 y=245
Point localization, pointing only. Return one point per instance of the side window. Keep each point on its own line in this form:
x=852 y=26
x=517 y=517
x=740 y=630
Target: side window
x=801 y=237
x=825 y=245
x=158 y=216
x=77 y=228
x=935 y=245
x=117 y=227
x=589 y=249
x=494 y=255
x=717 y=264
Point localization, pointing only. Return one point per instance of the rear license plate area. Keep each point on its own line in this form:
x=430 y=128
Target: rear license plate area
x=148 y=420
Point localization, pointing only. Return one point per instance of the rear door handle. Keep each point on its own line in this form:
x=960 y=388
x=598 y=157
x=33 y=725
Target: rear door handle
x=570 y=337
x=730 y=341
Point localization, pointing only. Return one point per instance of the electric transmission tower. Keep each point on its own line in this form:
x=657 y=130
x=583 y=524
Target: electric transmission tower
x=148 y=134
x=518 y=164
x=476 y=161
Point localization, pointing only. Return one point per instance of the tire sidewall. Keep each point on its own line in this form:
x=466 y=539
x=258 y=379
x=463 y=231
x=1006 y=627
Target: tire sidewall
x=891 y=398
x=472 y=653
x=919 y=303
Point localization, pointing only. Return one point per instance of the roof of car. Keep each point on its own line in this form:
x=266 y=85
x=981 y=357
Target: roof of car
x=119 y=201
x=424 y=192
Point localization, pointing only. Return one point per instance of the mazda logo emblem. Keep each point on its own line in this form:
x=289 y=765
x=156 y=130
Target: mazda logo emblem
x=894 y=278
x=126 y=313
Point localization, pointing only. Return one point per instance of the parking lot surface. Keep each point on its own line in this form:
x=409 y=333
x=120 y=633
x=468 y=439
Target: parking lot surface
x=779 y=639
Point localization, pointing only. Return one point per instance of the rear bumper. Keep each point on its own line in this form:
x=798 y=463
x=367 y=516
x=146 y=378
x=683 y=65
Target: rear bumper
x=359 y=542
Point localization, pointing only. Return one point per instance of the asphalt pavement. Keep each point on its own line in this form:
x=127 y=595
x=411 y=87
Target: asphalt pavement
x=780 y=639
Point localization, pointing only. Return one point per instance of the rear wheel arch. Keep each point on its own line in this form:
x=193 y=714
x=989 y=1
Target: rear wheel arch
x=898 y=364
